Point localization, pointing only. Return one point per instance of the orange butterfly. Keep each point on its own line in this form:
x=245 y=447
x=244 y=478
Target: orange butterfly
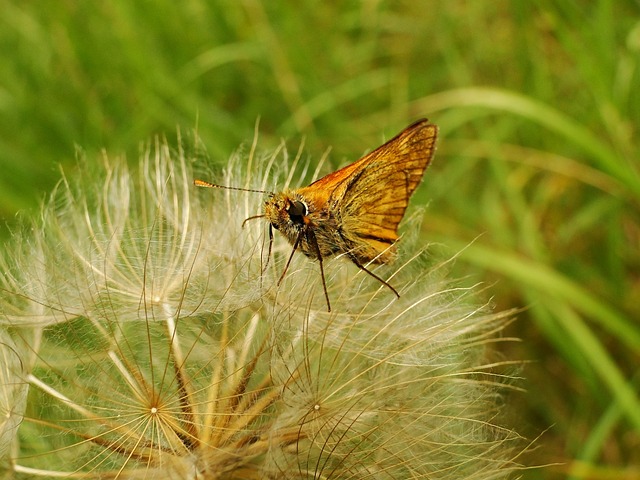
x=355 y=210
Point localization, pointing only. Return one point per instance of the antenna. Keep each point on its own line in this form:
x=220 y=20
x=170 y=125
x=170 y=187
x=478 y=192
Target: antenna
x=202 y=183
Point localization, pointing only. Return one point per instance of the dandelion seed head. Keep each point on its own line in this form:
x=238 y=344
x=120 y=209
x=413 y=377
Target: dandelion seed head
x=167 y=349
x=13 y=393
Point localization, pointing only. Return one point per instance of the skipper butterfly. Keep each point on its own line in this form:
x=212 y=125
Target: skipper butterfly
x=356 y=210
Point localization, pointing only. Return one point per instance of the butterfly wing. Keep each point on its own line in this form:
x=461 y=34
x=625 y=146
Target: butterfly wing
x=371 y=195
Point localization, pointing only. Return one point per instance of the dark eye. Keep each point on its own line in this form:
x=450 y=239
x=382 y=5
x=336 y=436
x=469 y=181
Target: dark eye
x=297 y=210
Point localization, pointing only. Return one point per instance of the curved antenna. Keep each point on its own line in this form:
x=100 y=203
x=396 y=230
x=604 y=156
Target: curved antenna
x=252 y=218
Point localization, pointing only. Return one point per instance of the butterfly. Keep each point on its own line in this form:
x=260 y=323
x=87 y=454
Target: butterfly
x=355 y=210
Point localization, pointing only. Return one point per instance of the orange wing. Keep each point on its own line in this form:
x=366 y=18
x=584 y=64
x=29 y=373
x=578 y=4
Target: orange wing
x=371 y=195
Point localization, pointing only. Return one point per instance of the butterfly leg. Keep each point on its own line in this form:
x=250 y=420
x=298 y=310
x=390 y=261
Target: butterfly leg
x=295 y=247
x=311 y=238
x=364 y=269
x=266 y=264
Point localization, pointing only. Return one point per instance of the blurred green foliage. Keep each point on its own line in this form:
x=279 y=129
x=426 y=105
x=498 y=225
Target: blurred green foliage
x=536 y=181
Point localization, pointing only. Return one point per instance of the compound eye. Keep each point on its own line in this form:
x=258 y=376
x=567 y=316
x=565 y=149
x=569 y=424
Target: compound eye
x=297 y=210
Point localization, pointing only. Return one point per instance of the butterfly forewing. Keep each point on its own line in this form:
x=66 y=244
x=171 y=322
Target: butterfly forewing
x=372 y=197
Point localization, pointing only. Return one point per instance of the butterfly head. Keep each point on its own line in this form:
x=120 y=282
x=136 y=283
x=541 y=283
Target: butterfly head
x=286 y=212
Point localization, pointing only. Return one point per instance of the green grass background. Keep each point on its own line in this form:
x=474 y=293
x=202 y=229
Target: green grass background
x=536 y=178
